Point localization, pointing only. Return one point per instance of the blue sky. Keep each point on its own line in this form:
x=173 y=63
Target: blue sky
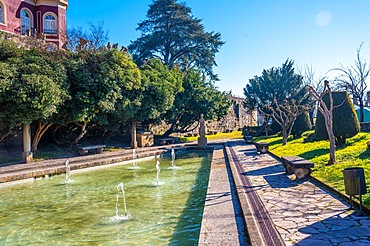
x=259 y=34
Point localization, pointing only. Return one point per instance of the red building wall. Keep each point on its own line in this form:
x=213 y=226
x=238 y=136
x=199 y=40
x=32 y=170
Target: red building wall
x=13 y=21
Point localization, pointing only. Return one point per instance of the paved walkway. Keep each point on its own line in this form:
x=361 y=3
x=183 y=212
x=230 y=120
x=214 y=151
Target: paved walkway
x=302 y=213
x=223 y=221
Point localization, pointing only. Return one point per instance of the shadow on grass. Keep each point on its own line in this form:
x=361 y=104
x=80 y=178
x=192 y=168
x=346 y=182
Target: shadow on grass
x=365 y=155
x=314 y=153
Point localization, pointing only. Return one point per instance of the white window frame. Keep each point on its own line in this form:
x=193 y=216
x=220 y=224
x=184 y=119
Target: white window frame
x=55 y=23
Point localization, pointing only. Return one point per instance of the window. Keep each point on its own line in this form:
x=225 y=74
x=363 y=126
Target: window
x=2 y=13
x=50 y=24
x=26 y=22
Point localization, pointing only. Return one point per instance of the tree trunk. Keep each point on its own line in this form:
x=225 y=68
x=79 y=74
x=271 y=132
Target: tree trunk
x=6 y=134
x=42 y=128
x=285 y=135
x=329 y=129
x=82 y=133
x=133 y=135
x=53 y=135
x=362 y=117
x=169 y=131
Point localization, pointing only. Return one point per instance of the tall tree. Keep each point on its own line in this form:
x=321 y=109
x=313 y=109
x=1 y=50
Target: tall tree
x=96 y=84
x=35 y=88
x=285 y=115
x=199 y=96
x=172 y=34
x=317 y=83
x=150 y=100
x=270 y=92
x=327 y=113
x=353 y=79
x=278 y=84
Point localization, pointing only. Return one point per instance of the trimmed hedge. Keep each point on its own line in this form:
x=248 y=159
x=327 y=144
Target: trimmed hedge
x=301 y=124
x=345 y=122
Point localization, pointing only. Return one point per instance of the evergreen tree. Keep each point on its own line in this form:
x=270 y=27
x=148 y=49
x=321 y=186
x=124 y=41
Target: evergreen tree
x=198 y=96
x=172 y=34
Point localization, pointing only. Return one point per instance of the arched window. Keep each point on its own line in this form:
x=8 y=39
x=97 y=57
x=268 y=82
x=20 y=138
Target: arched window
x=2 y=13
x=50 y=24
x=26 y=22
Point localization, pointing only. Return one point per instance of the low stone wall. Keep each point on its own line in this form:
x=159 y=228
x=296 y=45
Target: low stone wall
x=27 y=42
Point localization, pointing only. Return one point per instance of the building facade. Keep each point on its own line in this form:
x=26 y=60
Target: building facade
x=43 y=19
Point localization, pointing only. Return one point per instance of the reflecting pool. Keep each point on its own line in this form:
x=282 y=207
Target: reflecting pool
x=50 y=212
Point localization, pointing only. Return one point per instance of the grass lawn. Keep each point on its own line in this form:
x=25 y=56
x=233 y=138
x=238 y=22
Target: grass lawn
x=354 y=154
x=220 y=135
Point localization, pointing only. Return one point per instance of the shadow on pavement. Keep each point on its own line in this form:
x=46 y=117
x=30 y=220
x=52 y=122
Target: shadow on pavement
x=338 y=229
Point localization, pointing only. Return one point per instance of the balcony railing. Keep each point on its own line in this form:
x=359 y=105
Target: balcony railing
x=51 y=31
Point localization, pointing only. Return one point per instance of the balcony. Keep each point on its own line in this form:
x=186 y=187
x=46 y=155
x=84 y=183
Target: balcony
x=51 y=31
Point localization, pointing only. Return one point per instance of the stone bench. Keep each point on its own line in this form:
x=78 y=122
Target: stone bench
x=164 y=141
x=97 y=148
x=262 y=147
x=297 y=165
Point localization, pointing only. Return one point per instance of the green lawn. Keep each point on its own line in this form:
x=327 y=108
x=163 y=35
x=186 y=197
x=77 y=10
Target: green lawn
x=354 y=154
x=221 y=135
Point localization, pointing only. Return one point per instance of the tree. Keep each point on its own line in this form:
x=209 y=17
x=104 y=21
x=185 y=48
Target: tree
x=153 y=98
x=353 y=79
x=285 y=115
x=199 y=96
x=345 y=122
x=278 y=84
x=271 y=92
x=172 y=34
x=95 y=38
x=97 y=81
x=327 y=113
x=36 y=85
x=317 y=83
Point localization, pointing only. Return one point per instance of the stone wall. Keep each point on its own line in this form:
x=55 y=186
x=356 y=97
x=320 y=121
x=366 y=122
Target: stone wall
x=27 y=42
x=236 y=118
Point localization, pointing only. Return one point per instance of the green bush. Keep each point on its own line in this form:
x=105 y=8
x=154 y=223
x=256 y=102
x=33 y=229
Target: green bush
x=345 y=122
x=301 y=124
x=275 y=127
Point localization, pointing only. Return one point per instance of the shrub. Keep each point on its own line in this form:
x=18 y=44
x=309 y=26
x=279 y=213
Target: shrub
x=275 y=127
x=301 y=124
x=345 y=122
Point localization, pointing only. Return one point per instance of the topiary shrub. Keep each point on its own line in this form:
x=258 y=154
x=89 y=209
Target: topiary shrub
x=302 y=123
x=345 y=122
x=275 y=127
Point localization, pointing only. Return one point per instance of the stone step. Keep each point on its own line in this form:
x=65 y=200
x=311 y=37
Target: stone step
x=36 y=170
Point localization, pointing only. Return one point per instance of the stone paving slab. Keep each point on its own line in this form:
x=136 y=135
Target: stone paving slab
x=303 y=213
x=220 y=223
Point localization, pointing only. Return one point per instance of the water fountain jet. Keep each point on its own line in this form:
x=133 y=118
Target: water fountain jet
x=125 y=215
x=68 y=172
x=158 y=168
x=173 y=157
